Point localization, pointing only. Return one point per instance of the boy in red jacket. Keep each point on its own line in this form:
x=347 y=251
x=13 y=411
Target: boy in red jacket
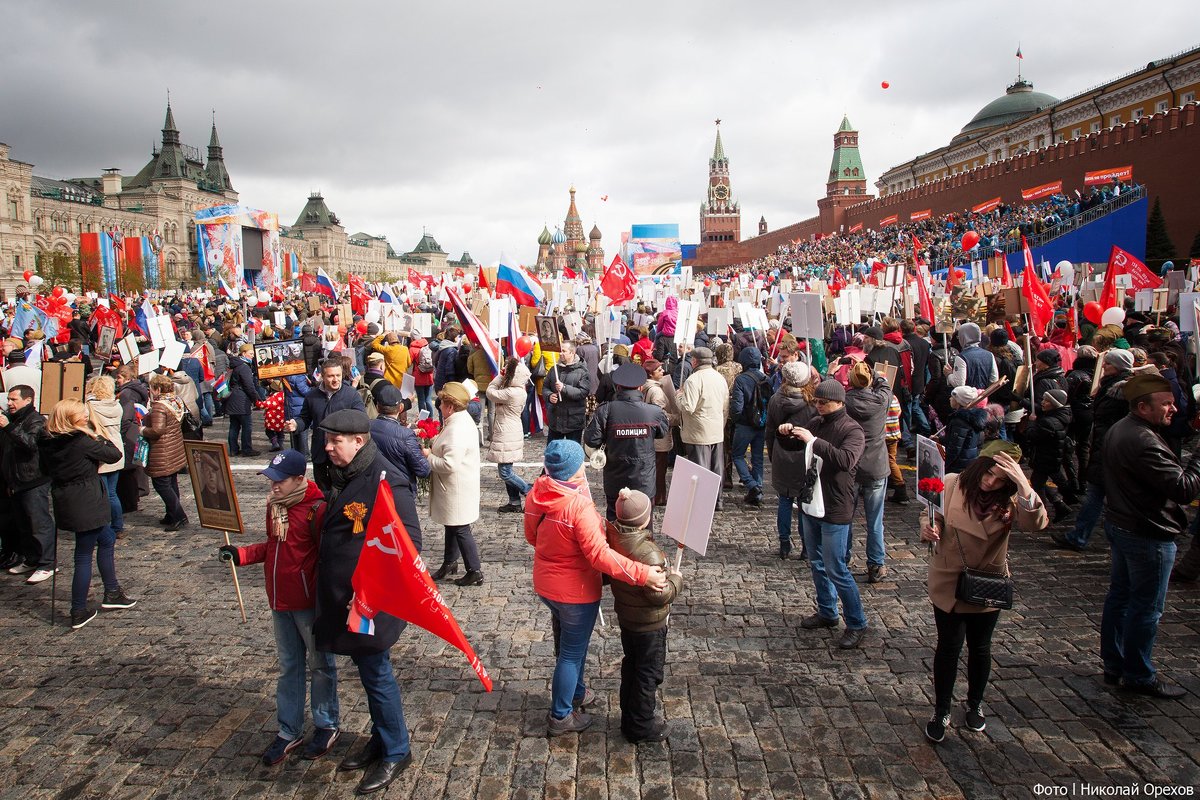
x=295 y=508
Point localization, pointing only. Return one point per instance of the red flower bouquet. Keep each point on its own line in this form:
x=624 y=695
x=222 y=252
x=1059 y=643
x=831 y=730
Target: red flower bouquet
x=931 y=485
x=428 y=428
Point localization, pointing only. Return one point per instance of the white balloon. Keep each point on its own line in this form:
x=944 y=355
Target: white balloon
x=1112 y=316
x=372 y=315
x=36 y=281
x=70 y=297
x=1064 y=265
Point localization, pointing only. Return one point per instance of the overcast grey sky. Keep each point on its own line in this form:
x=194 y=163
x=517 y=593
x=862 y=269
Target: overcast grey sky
x=473 y=118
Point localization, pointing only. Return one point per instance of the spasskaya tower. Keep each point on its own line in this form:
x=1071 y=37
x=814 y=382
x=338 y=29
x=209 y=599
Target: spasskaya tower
x=720 y=214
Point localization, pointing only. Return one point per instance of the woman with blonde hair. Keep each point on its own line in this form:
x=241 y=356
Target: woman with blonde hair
x=109 y=416
x=454 y=484
x=164 y=431
x=72 y=452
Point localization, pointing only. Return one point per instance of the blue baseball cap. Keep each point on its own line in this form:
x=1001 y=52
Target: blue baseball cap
x=287 y=464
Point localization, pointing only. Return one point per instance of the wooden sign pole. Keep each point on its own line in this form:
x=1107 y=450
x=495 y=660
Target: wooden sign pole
x=237 y=587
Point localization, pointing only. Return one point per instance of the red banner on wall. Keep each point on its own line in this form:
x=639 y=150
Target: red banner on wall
x=133 y=269
x=1038 y=192
x=856 y=227
x=986 y=206
x=89 y=262
x=1103 y=176
x=883 y=223
x=917 y=216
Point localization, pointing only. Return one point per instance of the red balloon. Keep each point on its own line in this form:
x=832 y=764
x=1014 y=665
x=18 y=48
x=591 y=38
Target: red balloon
x=361 y=327
x=1092 y=312
x=707 y=282
x=58 y=291
x=969 y=240
x=524 y=346
x=27 y=274
x=466 y=288
x=885 y=84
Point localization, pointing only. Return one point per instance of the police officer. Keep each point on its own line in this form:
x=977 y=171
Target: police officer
x=627 y=426
x=355 y=467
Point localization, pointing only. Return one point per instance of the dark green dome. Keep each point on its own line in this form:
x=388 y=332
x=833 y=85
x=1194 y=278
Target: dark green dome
x=1018 y=102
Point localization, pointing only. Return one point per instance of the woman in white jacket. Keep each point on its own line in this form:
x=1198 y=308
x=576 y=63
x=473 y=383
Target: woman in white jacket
x=454 y=483
x=507 y=446
x=107 y=415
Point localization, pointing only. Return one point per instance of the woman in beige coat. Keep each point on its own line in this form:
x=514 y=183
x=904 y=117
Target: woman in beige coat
x=107 y=414
x=507 y=446
x=454 y=483
x=981 y=506
x=658 y=391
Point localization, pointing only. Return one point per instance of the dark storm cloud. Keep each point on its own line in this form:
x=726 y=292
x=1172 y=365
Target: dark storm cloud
x=474 y=118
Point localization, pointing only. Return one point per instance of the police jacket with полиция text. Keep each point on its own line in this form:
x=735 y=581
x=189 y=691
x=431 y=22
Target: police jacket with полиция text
x=627 y=427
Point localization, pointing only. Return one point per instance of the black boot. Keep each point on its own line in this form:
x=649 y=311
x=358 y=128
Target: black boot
x=900 y=495
x=445 y=570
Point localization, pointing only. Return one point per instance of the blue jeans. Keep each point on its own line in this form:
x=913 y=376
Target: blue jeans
x=918 y=421
x=826 y=543
x=1137 y=592
x=207 y=408
x=783 y=519
x=575 y=622
x=101 y=541
x=1089 y=514
x=298 y=660
x=388 y=727
x=746 y=436
x=242 y=423
x=114 y=503
x=514 y=483
x=425 y=399
x=873 y=495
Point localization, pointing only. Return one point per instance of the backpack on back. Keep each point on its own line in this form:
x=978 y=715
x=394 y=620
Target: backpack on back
x=425 y=360
x=754 y=413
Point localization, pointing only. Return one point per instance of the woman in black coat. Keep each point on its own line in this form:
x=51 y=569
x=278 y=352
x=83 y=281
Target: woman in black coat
x=243 y=391
x=72 y=452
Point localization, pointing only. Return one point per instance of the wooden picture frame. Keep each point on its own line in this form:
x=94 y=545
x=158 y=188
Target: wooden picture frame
x=213 y=486
x=279 y=359
x=548 y=336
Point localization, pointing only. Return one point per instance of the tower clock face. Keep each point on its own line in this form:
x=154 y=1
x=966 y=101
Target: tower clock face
x=721 y=192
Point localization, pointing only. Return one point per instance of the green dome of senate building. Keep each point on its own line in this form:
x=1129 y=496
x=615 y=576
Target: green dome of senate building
x=1018 y=102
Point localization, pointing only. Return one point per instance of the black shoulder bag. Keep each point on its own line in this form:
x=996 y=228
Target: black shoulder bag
x=982 y=588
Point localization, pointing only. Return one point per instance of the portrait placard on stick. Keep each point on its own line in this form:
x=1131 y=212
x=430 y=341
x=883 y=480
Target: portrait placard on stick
x=805 y=310
x=691 y=501
x=216 y=495
x=931 y=475
x=547 y=333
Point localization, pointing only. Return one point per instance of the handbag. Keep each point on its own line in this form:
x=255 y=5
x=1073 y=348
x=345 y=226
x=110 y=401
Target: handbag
x=812 y=499
x=982 y=588
x=141 y=452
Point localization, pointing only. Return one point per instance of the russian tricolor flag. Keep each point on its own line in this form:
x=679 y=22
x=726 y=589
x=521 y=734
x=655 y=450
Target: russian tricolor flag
x=476 y=331
x=518 y=284
x=385 y=295
x=225 y=289
x=325 y=285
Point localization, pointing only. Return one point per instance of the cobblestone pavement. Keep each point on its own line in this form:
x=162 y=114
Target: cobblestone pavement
x=175 y=698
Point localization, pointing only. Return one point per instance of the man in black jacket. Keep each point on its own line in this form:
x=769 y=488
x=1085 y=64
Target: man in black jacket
x=565 y=390
x=354 y=472
x=331 y=395
x=627 y=426
x=839 y=442
x=915 y=413
x=243 y=391
x=20 y=462
x=1147 y=489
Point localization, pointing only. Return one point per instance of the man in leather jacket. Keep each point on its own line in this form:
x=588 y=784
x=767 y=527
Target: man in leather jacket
x=1146 y=488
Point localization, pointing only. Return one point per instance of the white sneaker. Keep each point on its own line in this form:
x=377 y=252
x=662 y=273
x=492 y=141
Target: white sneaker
x=40 y=575
x=21 y=569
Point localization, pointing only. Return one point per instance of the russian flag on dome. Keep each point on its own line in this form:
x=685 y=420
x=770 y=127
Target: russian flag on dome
x=518 y=284
x=476 y=331
x=325 y=285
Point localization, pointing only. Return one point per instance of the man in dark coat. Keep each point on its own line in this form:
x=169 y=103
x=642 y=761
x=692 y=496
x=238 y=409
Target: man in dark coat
x=132 y=392
x=749 y=418
x=839 y=442
x=626 y=427
x=1047 y=374
x=354 y=472
x=565 y=391
x=21 y=467
x=333 y=394
x=1108 y=408
x=867 y=402
x=920 y=346
x=243 y=391
x=396 y=442
x=1147 y=489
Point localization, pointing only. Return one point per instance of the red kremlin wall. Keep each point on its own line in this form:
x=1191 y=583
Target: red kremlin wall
x=1164 y=150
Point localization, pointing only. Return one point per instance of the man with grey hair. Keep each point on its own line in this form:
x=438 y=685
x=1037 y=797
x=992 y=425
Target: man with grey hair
x=704 y=400
x=565 y=390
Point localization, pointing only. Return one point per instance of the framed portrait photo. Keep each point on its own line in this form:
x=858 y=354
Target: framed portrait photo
x=547 y=333
x=212 y=484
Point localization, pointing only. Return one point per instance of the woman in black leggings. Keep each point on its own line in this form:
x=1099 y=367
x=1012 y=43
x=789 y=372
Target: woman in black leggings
x=981 y=505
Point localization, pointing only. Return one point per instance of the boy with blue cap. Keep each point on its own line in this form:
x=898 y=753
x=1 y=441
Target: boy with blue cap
x=295 y=509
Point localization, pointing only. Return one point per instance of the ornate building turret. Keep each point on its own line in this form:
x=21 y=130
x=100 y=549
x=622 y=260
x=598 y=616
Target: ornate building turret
x=595 y=252
x=846 y=174
x=215 y=174
x=720 y=214
x=543 y=255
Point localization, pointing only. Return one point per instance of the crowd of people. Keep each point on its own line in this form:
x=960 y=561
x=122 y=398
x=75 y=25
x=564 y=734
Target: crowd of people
x=1100 y=417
